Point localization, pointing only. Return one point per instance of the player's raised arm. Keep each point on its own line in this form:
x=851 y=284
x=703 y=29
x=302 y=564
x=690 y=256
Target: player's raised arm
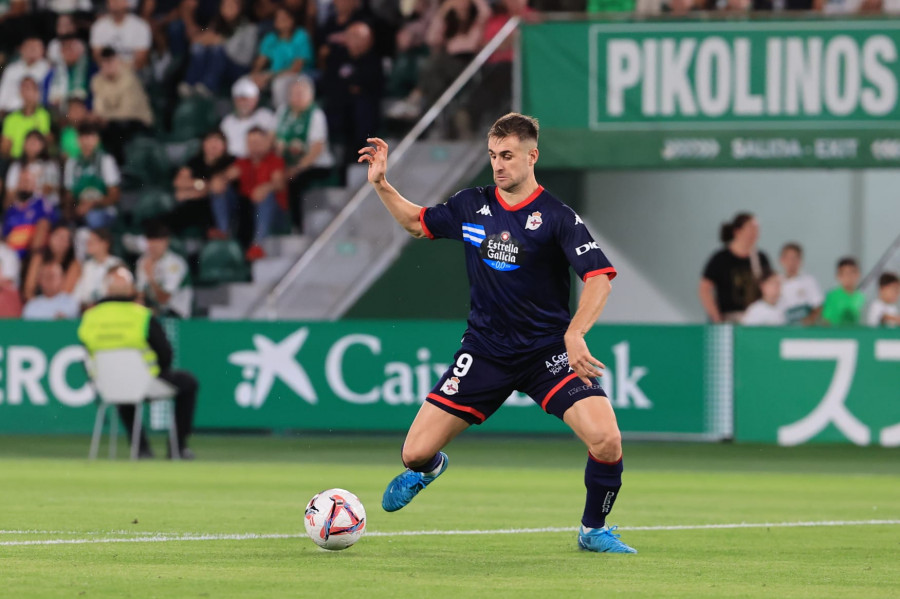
x=404 y=212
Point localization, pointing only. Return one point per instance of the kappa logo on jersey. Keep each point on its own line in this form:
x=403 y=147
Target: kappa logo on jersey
x=584 y=249
x=473 y=234
x=534 y=221
x=485 y=210
x=451 y=386
x=502 y=252
x=578 y=220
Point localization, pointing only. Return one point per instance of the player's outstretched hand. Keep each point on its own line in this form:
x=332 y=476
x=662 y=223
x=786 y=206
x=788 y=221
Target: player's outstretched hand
x=586 y=366
x=376 y=157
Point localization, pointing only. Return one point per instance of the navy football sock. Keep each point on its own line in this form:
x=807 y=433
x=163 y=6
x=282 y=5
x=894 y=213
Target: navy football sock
x=429 y=466
x=603 y=481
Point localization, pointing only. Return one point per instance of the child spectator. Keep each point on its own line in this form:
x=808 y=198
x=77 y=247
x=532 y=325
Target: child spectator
x=163 y=278
x=801 y=296
x=202 y=190
x=27 y=221
x=91 y=285
x=35 y=159
x=844 y=304
x=91 y=182
x=246 y=116
x=32 y=64
x=127 y=34
x=283 y=54
x=883 y=311
x=60 y=250
x=32 y=116
x=766 y=310
x=53 y=303
x=120 y=104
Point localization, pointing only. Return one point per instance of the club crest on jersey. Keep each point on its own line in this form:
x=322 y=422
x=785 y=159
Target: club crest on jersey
x=534 y=221
x=450 y=386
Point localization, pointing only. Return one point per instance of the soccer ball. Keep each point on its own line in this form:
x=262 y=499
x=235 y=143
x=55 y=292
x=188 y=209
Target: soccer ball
x=335 y=519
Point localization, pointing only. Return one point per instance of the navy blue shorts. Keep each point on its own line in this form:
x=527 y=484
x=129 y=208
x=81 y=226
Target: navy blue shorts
x=475 y=386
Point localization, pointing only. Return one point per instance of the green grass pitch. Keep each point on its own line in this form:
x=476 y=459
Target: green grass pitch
x=259 y=486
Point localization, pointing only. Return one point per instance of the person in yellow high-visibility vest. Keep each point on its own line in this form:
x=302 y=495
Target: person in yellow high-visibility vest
x=119 y=322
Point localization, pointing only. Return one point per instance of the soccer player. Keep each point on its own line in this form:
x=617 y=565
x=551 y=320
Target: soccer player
x=519 y=242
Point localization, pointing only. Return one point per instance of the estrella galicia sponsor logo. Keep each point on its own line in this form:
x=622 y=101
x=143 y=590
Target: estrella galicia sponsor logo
x=502 y=252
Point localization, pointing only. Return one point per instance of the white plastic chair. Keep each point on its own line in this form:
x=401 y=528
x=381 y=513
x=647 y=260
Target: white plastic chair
x=122 y=377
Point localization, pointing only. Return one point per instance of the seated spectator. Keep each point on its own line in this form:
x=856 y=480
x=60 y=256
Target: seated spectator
x=163 y=277
x=245 y=117
x=283 y=54
x=10 y=265
x=64 y=27
x=205 y=198
x=766 y=311
x=221 y=53
x=801 y=296
x=14 y=16
x=71 y=75
x=91 y=183
x=127 y=34
x=60 y=250
x=262 y=185
x=305 y=13
x=31 y=117
x=883 y=312
x=331 y=34
x=163 y=16
x=31 y=64
x=91 y=288
x=53 y=303
x=76 y=114
x=120 y=104
x=27 y=221
x=411 y=49
x=302 y=140
x=844 y=304
x=35 y=159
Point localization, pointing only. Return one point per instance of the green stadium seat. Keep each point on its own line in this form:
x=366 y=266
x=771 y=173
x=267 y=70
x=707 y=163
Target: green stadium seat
x=146 y=164
x=193 y=118
x=222 y=262
x=153 y=203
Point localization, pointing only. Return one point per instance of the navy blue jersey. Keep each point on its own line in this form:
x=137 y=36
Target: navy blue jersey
x=517 y=260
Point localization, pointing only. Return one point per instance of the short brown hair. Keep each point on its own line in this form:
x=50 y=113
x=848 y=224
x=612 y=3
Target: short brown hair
x=522 y=126
x=887 y=278
x=792 y=246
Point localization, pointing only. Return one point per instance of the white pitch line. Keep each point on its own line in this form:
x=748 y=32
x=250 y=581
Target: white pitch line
x=163 y=537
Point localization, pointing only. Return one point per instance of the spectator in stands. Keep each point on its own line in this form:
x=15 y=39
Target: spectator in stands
x=283 y=54
x=221 y=53
x=10 y=265
x=411 y=49
x=71 y=75
x=91 y=286
x=883 y=312
x=163 y=277
x=302 y=140
x=205 y=198
x=30 y=117
x=60 y=250
x=13 y=15
x=261 y=185
x=32 y=65
x=129 y=35
x=91 y=182
x=246 y=116
x=305 y=13
x=844 y=304
x=53 y=303
x=162 y=16
x=77 y=113
x=331 y=35
x=120 y=104
x=767 y=310
x=65 y=27
x=27 y=220
x=35 y=159
x=801 y=296
x=730 y=280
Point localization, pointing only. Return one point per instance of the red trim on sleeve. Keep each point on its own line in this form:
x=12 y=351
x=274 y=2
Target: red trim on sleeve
x=553 y=391
x=422 y=222
x=456 y=406
x=520 y=205
x=608 y=271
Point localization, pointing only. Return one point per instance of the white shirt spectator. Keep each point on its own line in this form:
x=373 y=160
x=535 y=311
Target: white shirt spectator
x=60 y=306
x=236 y=128
x=763 y=313
x=46 y=173
x=170 y=273
x=878 y=309
x=91 y=286
x=130 y=36
x=10 y=265
x=800 y=295
x=10 y=96
x=318 y=131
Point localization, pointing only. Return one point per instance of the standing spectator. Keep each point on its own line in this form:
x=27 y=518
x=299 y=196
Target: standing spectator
x=302 y=140
x=60 y=250
x=801 y=296
x=163 y=278
x=245 y=117
x=766 y=310
x=730 y=280
x=91 y=288
x=35 y=159
x=844 y=304
x=27 y=220
x=31 y=64
x=884 y=311
x=127 y=34
x=53 y=303
x=262 y=186
x=205 y=198
x=283 y=54
x=91 y=182
x=71 y=74
x=31 y=117
x=221 y=53
x=120 y=104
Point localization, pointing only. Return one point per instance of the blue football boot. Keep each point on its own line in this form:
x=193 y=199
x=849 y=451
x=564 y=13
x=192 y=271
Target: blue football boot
x=407 y=485
x=602 y=540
